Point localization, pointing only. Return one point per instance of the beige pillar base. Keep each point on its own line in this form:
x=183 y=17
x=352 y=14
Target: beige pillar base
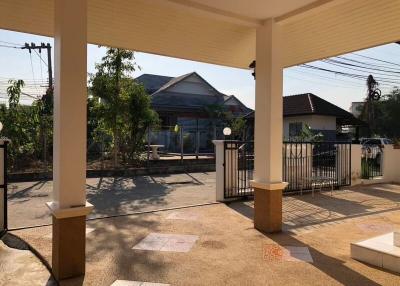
x=69 y=240
x=268 y=206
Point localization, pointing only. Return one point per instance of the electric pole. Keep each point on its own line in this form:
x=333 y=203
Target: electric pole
x=44 y=99
x=42 y=46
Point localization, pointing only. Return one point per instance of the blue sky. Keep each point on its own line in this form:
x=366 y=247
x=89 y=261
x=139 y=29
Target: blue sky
x=19 y=64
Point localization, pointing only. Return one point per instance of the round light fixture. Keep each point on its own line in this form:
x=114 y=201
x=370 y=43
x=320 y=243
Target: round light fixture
x=1 y=126
x=227 y=131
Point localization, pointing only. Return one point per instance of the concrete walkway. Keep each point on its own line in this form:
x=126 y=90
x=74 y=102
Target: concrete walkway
x=313 y=249
x=113 y=196
x=19 y=266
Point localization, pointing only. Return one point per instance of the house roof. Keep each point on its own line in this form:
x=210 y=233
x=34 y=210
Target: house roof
x=310 y=104
x=153 y=82
x=162 y=98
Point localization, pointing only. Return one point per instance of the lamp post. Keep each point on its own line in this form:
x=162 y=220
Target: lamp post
x=227 y=131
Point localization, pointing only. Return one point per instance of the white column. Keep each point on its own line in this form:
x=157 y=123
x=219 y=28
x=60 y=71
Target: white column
x=268 y=135
x=70 y=94
x=269 y=107
x=69 y=207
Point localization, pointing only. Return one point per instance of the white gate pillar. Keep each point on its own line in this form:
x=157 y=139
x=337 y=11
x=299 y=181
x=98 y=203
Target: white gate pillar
x=69 y=207
x=267 y=183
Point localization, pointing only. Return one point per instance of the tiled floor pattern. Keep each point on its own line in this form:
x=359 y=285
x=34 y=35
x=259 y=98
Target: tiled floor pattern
x=277 y=253
x=136 y=283
x=167 y=242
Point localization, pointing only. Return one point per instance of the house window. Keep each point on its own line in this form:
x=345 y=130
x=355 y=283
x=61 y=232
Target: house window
x=295 y=129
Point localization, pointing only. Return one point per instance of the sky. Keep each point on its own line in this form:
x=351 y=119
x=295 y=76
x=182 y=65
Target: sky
x=17 y=63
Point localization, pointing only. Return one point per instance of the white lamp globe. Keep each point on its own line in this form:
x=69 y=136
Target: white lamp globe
x=227 y=131
x=1 y=126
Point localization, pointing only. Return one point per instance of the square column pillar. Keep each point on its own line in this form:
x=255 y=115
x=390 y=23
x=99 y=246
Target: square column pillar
x=268 y=133
x=69 y=207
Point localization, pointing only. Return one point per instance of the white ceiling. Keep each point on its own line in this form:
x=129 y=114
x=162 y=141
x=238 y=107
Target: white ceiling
x=252 y=9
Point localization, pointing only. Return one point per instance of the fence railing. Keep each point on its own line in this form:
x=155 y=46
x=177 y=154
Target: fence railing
x=304 y=163
x=371 y=162
x=238 y=168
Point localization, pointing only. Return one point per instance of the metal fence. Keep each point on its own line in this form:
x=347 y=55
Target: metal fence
x=3 y=186
x=304 y=164
x=371 y=162
x=238 y=168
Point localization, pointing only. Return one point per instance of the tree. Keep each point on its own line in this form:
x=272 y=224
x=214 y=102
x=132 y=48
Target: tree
x=387 y=114
x=21 y=125
x=122 y=105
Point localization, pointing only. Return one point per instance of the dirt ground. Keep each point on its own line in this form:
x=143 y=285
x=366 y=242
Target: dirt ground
x=229 y=251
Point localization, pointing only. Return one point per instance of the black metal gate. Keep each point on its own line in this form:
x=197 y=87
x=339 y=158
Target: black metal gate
x=238 y=168
x=3 y=187
x=304 y=163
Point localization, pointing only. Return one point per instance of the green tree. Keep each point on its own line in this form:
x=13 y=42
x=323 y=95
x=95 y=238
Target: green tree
x=387 y=115
x=121 y=104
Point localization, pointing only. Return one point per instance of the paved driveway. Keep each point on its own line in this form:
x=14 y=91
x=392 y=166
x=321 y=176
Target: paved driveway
x=113 y=196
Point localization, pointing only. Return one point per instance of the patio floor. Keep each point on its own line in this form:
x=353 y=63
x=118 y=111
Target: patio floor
x=225 y=249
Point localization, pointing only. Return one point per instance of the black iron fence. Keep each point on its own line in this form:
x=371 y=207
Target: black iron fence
x=238 y=168
x=3 y=187
x=371 y=162
x=308 y=163
x=304 y=164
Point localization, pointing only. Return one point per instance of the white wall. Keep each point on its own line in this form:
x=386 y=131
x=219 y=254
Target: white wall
x=319 y=122
x=391 y=159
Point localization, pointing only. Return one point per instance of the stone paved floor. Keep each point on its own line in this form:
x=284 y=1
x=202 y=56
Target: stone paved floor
x=313 y=249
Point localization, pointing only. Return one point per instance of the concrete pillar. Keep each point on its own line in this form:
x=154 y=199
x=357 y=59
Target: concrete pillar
x=267 y=181
x=69 y=207
x=390 y=164
x=219 y=170
x=355 y=164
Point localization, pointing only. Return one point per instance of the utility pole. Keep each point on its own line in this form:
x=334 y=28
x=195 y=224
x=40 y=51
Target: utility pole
x=42 y=46
x=30 y=47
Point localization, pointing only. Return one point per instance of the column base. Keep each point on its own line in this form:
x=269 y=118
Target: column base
x=268 y=210
x=69 y=241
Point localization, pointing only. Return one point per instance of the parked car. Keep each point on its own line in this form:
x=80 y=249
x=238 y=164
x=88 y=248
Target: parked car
x=372 y=148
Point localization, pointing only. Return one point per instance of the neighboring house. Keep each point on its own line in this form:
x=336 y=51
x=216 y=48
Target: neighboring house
x=179 y=100
x=320 y=115
x=186 y=101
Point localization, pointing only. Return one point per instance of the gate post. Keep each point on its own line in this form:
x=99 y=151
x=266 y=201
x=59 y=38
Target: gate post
x=3 y=184
x=219 y=169
x=355 y=161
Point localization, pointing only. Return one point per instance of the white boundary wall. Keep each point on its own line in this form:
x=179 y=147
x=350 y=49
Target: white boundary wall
x=391 y=161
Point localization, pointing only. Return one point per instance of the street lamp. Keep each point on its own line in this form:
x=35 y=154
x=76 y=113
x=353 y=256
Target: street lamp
x=227 y=131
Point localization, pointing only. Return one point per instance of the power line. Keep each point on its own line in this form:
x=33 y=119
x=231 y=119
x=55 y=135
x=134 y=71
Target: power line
x=11 y=43
x=378 y=60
